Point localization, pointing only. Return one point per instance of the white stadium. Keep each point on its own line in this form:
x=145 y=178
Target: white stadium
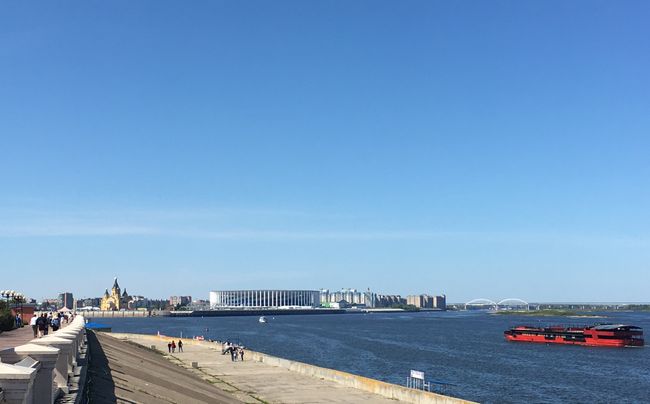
x=264 y=298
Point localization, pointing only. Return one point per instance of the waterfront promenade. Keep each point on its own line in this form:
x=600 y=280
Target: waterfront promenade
x=263 y=378
x=20 y=336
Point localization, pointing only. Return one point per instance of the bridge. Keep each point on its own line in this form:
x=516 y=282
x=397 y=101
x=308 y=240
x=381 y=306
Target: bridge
x=509 y=303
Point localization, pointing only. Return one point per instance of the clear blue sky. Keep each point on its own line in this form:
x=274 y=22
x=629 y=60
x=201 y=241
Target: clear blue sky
x=478 y=149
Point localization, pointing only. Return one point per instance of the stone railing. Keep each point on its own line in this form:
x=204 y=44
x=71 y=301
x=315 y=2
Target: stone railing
x=43 y=369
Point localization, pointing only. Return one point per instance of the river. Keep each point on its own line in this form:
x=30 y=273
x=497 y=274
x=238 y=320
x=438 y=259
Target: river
x=466 y=349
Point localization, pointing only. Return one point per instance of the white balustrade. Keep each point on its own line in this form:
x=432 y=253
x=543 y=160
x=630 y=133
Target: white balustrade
x=37 y=372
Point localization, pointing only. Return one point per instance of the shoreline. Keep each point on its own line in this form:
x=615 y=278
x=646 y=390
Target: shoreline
x=246 y=312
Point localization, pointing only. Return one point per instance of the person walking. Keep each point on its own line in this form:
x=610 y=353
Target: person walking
x=41 y=322
x=169 y=347
x=32 y=322
x=241 y=353
x=48 y=321
x=55 y=323
x=173 y=347
x=180 y=346
x=233 y=354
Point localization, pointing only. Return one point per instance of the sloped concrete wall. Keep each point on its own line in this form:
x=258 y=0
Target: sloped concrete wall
x=388 y=390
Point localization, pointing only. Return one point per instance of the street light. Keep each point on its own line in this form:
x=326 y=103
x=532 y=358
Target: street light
x=16 y=297
x=7 y=294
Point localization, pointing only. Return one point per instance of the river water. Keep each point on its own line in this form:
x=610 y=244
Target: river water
x=466 y=349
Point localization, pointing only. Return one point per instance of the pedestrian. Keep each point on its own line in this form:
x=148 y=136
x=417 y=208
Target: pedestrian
x=233 y=354
x=41 y=322
x=173 y=347
x=19 y=321
x=32 y=322
x=180 y=346
x=241 y=353
x=169 y=347
x=55 y=323
x=48 y=321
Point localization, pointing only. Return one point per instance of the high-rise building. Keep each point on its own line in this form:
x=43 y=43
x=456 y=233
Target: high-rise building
x=417 y=300
x=324 y=296
x=180 y=300
x=351 y=296
x=389 y=300
x=427 y=301
x=66 y=300
x=440 y=302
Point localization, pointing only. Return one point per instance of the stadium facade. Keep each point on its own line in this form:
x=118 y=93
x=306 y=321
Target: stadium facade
x=263 y=298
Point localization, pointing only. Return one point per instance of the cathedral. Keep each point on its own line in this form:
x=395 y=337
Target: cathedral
x=115 y=300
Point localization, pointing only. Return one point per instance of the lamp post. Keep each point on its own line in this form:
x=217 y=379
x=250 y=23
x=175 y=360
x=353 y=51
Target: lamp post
x=19 y=298
x=8 y=294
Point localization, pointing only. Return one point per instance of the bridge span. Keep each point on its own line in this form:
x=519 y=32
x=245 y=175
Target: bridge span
x=508 y=303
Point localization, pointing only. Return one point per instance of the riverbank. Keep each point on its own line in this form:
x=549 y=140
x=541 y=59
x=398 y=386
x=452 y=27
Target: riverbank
x=124 y=372
x=254 y=312
x=243 y=312
x=264 y=378
x=548 y=313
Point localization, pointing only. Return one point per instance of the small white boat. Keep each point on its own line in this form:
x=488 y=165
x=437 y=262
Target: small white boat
x=262 y=319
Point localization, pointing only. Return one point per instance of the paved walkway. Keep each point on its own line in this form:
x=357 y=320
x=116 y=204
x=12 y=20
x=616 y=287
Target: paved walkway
x=256 y=382
x=19 y=336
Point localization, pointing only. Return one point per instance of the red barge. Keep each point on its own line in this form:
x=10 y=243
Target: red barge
x=611 y=335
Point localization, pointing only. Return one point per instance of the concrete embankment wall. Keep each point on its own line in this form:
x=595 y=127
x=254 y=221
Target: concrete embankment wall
x=388 y=390
x=384 y=389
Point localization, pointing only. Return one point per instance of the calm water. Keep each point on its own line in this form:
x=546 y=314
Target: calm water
x=463 y=348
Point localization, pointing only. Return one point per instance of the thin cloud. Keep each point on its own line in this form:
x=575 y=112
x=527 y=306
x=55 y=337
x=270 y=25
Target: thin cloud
x=161 y=223
x=306 y=235
x=134 y=230
x=75 y=231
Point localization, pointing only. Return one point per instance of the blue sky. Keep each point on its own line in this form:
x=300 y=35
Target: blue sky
x=478 y=149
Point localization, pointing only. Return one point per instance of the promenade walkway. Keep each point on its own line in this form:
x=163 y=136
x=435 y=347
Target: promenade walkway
x=252 y=381
x=19 y=336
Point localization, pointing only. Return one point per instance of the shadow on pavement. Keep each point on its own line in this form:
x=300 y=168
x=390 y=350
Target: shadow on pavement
x=100 y=386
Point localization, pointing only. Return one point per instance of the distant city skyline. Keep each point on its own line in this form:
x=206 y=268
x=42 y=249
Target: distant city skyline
x=477 y=150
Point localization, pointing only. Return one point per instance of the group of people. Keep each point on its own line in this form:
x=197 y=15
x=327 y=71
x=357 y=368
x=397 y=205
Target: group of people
x=171 y=346
x=41 y=323
x=236 y=351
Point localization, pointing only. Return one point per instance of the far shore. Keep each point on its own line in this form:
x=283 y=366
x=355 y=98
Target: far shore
x=548 y=313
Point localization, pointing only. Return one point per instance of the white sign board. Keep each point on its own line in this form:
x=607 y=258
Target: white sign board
x=416 y=374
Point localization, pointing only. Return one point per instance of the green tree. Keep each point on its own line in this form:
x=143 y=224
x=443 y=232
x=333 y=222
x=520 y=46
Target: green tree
x=7 y=321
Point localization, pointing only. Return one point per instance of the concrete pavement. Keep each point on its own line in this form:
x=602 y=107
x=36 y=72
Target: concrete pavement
x=20 y=336
x=253 y=381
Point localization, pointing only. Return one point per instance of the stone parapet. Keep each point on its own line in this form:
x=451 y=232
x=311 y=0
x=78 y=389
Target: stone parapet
x=65 y=361
x=44 y=391
x=39 y=371
x=17 y=383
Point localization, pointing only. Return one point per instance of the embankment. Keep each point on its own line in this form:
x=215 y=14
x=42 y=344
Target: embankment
x=274 y=379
